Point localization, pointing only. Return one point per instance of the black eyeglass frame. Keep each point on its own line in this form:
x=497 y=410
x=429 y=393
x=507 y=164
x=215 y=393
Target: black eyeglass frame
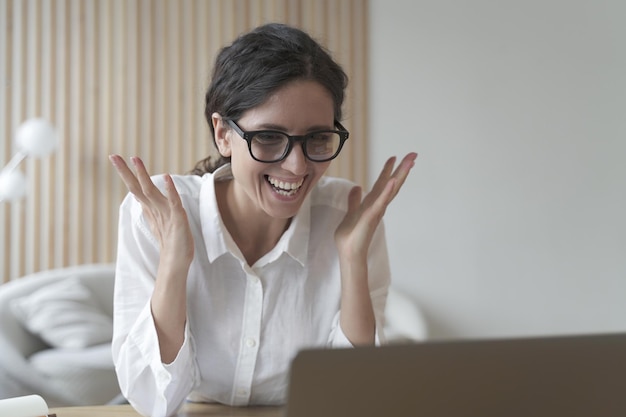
x=248 y=135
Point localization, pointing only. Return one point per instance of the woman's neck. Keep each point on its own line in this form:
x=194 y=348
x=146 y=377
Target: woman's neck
x=254 y=232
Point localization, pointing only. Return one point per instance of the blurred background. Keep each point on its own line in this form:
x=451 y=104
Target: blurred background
x=514 y=219
x=512 y=222
x=129 y=77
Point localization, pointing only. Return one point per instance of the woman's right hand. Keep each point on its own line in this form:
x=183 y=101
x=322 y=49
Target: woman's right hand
x=169 y=224
x=165 y=213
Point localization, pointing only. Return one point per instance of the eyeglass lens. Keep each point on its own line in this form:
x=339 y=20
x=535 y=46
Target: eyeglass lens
x=272 y=146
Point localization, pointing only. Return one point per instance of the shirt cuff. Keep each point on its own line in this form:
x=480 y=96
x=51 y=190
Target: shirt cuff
x=338 y=338
x=166 y=375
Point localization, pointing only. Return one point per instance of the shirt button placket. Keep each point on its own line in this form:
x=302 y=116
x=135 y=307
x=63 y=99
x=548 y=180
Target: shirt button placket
x=249 y=347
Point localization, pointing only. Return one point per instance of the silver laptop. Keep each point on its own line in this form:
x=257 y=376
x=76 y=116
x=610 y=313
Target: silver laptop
x=564 y=376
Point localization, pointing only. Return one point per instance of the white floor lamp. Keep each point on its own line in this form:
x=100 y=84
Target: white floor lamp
x=35 y=138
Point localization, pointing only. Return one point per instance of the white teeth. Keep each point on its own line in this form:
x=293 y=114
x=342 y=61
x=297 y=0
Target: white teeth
x=286 y=188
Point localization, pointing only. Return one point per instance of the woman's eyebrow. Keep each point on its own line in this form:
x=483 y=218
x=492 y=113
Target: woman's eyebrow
x=272 y=126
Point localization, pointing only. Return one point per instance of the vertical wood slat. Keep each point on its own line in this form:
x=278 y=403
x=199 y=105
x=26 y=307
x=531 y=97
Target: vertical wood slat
x=100 y=131
x=128 y=77
x=89 y=198
x=46 y=191
x=75 y=148
x=5 y=148
x=59 y=187
x=31 y=87
x=16 y=261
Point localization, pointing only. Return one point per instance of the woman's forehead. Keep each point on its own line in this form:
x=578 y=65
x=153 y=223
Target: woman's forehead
x=298 y=103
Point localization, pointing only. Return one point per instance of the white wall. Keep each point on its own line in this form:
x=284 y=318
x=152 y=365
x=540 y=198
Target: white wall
x=513 y=221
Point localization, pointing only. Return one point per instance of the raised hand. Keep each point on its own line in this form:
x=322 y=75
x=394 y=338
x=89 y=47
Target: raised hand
x=353 y=238
x=354 y=234
x=165 y=213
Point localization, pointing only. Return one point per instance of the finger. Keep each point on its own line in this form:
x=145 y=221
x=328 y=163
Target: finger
x=171 y=192
x=384 y=174
x=402 y=171
x=380 y=200
x=354 y=199
x=386 y=196
x=150 y=190
x=381 y=181
x=371 y=216
x=408 y=161
x=128 y=177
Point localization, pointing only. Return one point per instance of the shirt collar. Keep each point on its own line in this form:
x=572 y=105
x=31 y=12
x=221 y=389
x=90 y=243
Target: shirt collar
x=294 y=242
x=216 y=238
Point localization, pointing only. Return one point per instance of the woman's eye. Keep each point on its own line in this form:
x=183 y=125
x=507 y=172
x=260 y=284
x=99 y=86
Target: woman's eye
x=269 y=138
x=321 y=141
x=321 y=137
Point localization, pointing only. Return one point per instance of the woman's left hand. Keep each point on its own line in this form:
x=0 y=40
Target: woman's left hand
x=353 y=238
x=355 y=232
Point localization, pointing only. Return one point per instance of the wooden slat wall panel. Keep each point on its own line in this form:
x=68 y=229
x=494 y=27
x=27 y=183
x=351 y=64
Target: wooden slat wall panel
x=128 y=77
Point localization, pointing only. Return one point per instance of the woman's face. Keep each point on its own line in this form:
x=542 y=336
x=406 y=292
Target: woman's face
x=278 y=188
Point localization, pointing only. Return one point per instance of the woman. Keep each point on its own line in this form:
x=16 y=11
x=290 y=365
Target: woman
x=224 y=275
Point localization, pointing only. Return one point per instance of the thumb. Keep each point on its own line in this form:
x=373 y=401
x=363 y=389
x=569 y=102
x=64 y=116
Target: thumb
x=354 y=199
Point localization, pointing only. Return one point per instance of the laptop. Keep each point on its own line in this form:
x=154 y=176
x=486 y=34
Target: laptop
x=552 y=376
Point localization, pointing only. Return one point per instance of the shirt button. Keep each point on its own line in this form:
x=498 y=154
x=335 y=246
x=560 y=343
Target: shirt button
x=242 y=392
x=254 y=280
x=250 y=342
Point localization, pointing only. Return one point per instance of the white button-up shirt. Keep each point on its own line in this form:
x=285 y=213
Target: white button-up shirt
x=244 y=323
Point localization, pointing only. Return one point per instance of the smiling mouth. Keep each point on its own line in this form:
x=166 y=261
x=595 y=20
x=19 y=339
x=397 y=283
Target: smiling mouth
x=284 y=188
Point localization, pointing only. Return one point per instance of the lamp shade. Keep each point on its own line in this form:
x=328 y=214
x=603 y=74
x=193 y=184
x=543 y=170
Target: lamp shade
x=12 y=185
x=36 y=137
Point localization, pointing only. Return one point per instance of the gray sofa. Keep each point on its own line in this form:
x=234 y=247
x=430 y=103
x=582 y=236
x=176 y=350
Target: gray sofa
x=56 y=328
x=55 y=336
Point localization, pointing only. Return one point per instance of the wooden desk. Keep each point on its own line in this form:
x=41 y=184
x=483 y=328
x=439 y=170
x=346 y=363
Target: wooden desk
x=188 y=410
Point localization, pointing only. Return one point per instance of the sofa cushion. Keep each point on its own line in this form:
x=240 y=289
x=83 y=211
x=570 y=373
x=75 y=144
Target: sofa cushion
x=65 y=315
x=87 y=373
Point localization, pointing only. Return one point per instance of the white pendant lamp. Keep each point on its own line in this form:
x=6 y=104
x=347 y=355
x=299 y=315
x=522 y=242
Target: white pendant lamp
x=35 y=138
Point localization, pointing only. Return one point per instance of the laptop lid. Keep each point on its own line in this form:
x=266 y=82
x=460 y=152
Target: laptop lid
x=573 y=376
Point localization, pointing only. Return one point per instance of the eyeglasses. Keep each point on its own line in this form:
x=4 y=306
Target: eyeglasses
x=274 y=146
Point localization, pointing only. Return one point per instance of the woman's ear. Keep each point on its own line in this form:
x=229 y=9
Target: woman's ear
x=222 y=139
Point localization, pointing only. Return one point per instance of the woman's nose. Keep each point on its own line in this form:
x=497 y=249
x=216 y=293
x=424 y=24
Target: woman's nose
x=295 y=162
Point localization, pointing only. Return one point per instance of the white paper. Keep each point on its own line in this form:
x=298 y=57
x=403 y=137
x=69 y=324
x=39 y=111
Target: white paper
x=28 y=406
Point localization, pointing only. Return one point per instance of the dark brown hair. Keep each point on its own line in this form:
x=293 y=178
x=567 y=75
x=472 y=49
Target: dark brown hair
x=258 y=63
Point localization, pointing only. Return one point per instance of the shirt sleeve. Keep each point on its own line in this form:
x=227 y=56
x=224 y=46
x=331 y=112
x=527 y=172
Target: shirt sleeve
x=151 y=387
x=379 y=277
